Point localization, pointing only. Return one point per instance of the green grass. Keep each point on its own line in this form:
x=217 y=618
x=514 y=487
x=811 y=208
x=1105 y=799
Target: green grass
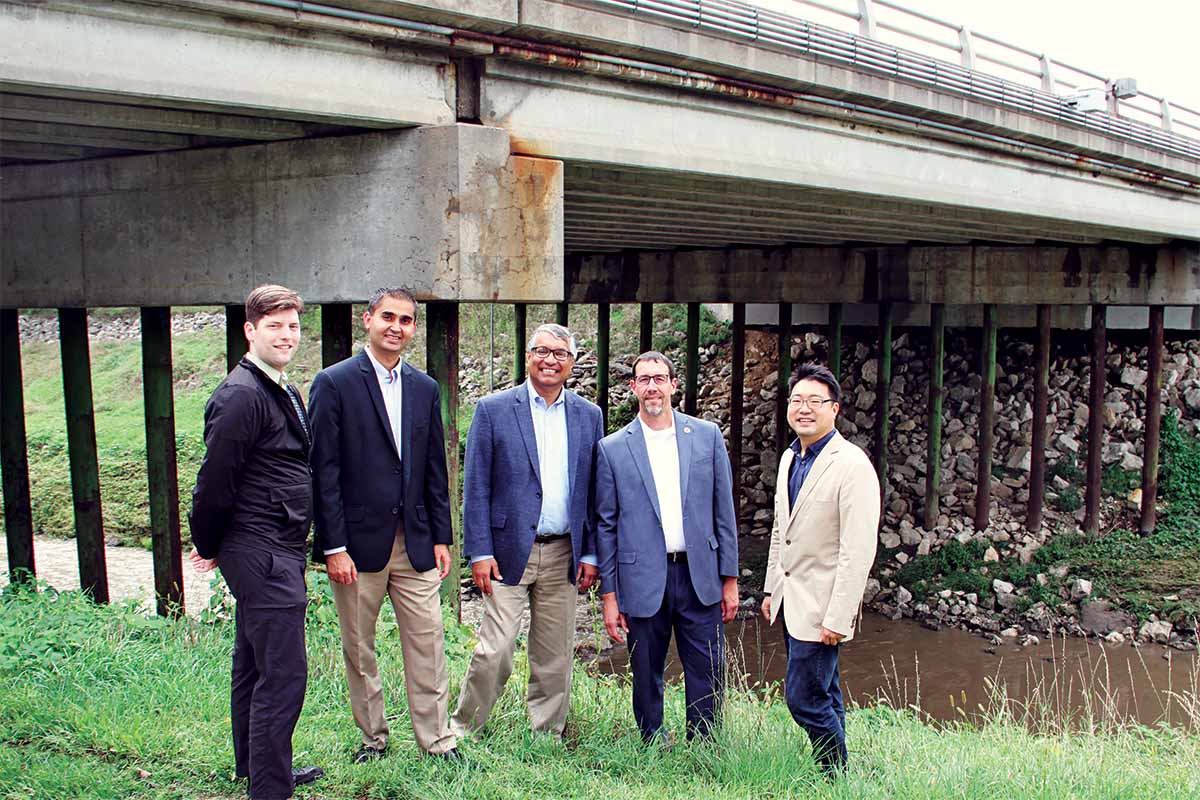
x=953 y=566
x=101 y=702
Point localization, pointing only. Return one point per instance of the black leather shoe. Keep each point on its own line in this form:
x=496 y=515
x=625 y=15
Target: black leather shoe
x=306 y=775
x=452 y=755
x=366 y=754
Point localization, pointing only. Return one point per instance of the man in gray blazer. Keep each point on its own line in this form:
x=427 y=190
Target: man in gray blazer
x=666 y=533
x=528 y=532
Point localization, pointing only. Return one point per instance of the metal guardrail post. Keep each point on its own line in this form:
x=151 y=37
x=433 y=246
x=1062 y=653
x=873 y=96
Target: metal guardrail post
x=866 y=19
x=1165 y=114
x=1047 y=67
x=966 y=45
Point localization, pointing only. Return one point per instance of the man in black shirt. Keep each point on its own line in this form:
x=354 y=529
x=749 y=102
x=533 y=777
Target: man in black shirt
x=251 y=512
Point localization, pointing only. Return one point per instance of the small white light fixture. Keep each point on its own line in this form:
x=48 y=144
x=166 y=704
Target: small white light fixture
x=1087 y=100
x=1123 y=88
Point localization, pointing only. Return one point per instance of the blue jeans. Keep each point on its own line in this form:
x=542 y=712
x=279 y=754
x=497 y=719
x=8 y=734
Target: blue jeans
x=814 y=696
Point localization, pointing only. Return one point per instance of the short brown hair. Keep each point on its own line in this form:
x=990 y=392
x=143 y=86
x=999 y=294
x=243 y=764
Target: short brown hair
x=654 y=355
x=269 y=299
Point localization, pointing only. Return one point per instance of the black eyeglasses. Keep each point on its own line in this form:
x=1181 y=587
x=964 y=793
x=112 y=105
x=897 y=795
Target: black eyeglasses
x=558 y=352
x=659 y=380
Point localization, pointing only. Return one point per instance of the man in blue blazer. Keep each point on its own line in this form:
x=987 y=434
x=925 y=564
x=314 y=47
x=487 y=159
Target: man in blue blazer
x=528 y=532
x=383 y=519
x=666 y=534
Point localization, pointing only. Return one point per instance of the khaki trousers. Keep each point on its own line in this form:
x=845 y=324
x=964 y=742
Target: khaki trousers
x=551 y=639
x=418 y=609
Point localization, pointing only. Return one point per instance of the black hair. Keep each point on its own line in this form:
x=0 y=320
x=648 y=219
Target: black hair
x=817 y=372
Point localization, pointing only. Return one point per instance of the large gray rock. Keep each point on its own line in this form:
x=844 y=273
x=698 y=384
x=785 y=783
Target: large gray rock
x=1099 y=617
x=1156 y=630
x=1080 y=588
x=1133 y=377
x=873 y=588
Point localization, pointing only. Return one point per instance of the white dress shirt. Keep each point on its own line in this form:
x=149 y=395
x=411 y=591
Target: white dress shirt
x=389 y=386
x=664 y=466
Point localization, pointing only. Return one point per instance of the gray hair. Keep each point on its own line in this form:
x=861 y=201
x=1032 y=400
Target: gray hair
x=558 y=332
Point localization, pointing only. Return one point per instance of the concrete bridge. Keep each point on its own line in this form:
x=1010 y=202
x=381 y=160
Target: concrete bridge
x=569 y=151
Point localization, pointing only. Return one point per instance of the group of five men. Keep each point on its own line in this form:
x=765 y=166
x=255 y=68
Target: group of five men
x=551 y=507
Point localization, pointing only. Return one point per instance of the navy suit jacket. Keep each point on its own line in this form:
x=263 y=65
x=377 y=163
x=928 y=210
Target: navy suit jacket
x=502 y=486
x=362 y=485
x=629 y=532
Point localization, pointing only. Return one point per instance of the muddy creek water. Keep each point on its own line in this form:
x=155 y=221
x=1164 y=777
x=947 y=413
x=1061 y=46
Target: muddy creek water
x=951 y=673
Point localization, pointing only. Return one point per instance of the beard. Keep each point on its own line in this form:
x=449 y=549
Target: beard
x=655 y=411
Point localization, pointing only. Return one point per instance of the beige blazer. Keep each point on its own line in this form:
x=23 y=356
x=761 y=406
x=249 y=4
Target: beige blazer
x=823 y=549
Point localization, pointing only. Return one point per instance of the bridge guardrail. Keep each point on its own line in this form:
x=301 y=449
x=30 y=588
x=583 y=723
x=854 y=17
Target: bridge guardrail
x=1146 y=119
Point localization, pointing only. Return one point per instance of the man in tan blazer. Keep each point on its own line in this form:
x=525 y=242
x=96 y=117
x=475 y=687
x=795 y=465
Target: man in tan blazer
x=822 y=546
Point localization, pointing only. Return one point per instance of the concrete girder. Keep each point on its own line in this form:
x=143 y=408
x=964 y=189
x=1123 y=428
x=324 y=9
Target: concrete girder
x=810 y=209
x=444 y=209
x=182 y=59
x=11 y=151
x=845 y=227
x=958 y=275
x=140 y=118
x=90 y=136
x=581 y=118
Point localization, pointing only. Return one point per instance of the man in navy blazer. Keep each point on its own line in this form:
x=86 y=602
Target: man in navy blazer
x=666 y=534
x=527 y=530
x=383 y=519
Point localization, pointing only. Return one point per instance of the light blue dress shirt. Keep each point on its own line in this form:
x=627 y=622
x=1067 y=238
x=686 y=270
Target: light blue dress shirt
x=554 y=465
x=550 y=431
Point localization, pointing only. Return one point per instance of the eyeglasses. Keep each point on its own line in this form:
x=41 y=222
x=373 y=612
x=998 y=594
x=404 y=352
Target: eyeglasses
x=558 y=352
x=659 y=380
x=814 y=403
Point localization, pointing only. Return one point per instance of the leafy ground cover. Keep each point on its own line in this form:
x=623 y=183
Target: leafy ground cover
x=103 y=702
x=1145 y=575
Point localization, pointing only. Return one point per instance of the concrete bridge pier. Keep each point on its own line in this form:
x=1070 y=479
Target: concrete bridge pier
x=445 y=210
